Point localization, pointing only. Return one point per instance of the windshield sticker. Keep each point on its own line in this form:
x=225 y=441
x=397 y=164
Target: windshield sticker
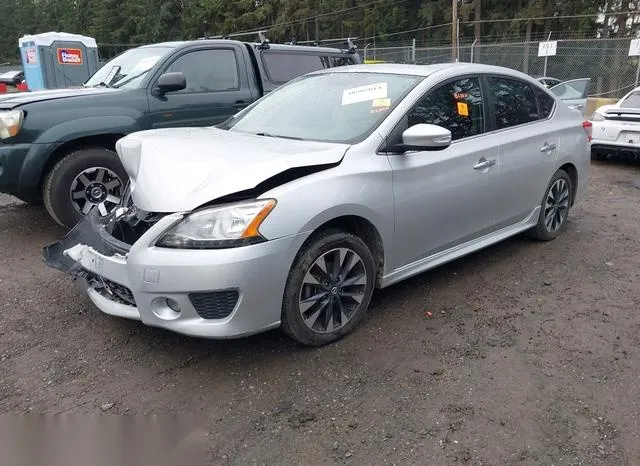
x=460 y=95
x=380 y=105
x=463 y=109
x=364 y=93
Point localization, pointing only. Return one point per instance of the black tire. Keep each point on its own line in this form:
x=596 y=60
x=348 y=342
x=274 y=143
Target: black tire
x=292 y=321
x=56 y=189
x=541 y=232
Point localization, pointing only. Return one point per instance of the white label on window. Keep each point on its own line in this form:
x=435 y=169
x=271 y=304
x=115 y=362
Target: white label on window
x=364 y=93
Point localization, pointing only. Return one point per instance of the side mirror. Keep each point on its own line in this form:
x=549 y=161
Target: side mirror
x=424 y=137
x=171 y=82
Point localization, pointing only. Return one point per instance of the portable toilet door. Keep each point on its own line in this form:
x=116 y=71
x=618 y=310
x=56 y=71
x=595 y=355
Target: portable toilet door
x=62 y=60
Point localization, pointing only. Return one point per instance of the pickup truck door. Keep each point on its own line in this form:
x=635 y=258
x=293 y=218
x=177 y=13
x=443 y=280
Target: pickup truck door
x=218 y=86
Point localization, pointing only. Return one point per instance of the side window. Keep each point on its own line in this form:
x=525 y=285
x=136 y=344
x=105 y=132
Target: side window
x=208 y=70
x=545 y=103
x=456 y=106
x=282 y=67
x=514 y=102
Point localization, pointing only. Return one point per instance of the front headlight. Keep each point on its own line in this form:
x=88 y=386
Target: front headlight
x=597 y=117
x=219 y=227
x=10 y=123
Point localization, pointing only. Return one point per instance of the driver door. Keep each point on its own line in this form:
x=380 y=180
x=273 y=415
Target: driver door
x=216 y=89
x=445 y=198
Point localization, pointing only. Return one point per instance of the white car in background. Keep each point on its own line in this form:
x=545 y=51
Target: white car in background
x=616 y=128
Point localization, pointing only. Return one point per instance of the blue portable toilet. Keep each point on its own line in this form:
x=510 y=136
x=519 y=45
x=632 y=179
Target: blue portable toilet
x=55 y=60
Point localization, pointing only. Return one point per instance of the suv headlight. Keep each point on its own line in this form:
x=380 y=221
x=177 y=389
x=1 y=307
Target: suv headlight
x=219 y=227
x=10 y=123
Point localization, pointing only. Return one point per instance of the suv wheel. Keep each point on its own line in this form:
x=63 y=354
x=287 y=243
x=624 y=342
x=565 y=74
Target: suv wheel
x=84 y=180
x=329 y=288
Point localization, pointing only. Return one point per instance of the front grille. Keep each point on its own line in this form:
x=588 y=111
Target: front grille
x=110 y=290
x=214 y=305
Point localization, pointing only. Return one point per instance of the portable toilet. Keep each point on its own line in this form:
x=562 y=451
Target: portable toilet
x=55 y=60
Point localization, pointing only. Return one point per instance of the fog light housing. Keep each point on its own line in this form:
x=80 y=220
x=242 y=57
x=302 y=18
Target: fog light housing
x=166 y=308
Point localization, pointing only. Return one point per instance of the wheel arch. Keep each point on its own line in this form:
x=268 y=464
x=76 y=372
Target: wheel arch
x=360 y=227
x=572 y=171
x=100 y=141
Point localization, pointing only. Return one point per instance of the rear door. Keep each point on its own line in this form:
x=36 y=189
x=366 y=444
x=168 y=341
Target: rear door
x=217 y=88
x=528 y=143
x=574 y=93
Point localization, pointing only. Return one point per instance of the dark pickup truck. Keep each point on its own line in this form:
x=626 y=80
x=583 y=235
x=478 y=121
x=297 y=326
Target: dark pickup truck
x=57 y=146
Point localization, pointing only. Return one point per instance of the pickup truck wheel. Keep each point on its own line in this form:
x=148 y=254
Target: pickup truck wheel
x=83 y=180
x=329 y=289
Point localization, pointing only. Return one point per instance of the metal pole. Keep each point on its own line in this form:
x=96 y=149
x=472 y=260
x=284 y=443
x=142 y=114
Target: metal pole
x=365 y=50
x=454 y=31
x=413 y=52
x=638 y=72
x=472 y=48
x=546 y=57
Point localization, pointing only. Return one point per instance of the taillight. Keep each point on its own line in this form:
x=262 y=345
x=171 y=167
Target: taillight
x=588 y=127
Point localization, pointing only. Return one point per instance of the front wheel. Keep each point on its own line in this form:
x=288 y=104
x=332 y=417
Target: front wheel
x=555 y=208
x=329 y=288
x=84 y=180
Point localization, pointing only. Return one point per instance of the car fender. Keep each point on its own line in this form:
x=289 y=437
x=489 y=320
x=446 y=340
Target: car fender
x=89 y=126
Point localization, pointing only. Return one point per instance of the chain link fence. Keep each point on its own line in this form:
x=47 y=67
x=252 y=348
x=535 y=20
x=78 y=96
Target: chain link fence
x=605 y=61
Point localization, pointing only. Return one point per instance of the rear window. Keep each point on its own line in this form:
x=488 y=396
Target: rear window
x=632 y=101
x=545 y=103
x=282 y=67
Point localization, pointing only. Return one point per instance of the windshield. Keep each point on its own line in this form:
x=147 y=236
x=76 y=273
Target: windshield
x=129 y=68
x=631 y=101
x=328 y=107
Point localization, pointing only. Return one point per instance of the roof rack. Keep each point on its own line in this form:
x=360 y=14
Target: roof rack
x=348 y=41
x=264 y=42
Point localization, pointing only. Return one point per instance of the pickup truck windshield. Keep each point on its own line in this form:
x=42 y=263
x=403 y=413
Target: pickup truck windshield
x=129 y=68
x=328 y=107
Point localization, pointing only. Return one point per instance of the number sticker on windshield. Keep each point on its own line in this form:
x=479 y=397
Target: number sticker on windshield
x=364 y=93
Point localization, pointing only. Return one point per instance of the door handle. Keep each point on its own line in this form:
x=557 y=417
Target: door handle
x=547 y=147
x=484 y=163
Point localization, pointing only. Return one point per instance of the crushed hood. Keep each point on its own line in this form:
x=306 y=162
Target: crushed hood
x=179 y=169
x=21 y=98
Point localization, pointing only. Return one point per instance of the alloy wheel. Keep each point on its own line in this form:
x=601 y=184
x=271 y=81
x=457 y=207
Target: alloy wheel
x=96 y=187
x=556 y=205
x=332 y=289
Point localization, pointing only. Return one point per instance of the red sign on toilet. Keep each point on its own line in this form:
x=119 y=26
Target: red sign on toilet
x=70 y=56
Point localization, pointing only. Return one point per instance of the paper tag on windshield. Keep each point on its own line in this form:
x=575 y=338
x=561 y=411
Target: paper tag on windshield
x=364 y=93
x=380 y=105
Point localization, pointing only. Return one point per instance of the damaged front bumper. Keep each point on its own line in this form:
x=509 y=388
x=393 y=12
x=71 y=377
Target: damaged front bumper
x=224 y=293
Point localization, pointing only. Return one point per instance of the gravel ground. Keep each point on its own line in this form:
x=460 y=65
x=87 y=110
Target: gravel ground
x=524 y=353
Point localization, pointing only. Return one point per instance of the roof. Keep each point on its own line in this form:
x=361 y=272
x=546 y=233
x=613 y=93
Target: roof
x=425 y=70
x=255 y=44
x=47 y=38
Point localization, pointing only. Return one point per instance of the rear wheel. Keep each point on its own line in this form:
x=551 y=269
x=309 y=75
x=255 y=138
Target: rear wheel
x=84 y=180
x=556 y=205
x=329 y=288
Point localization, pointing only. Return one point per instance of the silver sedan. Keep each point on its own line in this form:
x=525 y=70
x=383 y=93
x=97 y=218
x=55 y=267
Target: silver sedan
x=293 y=211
